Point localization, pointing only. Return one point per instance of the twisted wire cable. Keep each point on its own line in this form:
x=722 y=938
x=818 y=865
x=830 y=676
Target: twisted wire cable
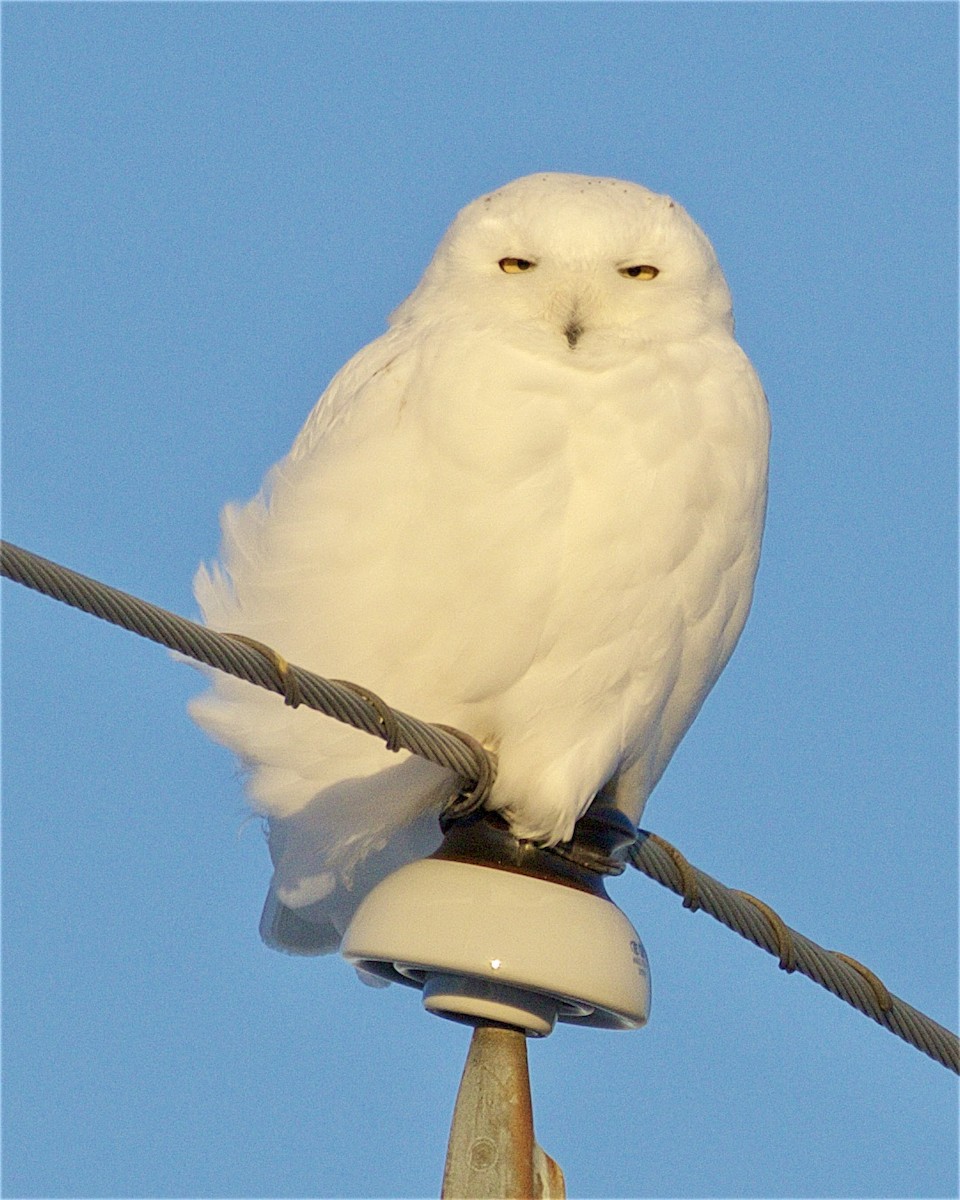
x=357 y=706
x=258 y=664
x=838 y=973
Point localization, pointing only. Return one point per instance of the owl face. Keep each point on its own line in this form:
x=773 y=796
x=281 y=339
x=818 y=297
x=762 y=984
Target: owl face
x=579 y=264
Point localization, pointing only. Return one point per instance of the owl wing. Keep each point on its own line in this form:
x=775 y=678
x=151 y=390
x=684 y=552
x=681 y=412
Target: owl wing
x=357 y=561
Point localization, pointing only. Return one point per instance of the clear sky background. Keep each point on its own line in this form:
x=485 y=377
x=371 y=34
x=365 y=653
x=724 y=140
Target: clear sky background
x=207 y=209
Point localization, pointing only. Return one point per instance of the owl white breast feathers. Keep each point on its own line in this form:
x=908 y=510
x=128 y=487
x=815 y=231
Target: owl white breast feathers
x=532 y=509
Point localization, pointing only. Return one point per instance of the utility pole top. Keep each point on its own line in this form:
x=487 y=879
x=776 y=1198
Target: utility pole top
x=509 y=937
x=492 y=1153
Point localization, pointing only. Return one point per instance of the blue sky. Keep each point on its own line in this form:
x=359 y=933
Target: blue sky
x=207 y=209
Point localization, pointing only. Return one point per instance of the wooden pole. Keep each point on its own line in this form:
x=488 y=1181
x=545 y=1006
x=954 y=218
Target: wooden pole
x=492 y=1154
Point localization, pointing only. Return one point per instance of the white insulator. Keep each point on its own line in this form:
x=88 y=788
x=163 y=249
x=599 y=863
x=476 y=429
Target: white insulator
x=486 y=943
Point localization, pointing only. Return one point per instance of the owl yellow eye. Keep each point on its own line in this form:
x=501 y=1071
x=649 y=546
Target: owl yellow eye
x=513 y=266
x=640 y=272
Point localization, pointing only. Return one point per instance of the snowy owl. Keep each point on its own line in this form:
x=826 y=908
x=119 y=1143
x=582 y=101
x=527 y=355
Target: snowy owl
x=531 y=509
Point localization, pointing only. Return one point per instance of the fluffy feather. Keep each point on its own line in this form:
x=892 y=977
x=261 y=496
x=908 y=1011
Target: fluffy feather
x=531 y=509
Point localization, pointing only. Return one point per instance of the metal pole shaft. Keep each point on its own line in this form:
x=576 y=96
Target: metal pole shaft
x=492 y=1154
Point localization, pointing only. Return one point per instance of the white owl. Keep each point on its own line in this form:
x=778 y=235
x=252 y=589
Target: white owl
x=532 y=509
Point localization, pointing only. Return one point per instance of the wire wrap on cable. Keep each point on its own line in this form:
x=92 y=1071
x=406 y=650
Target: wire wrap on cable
x=356 y=706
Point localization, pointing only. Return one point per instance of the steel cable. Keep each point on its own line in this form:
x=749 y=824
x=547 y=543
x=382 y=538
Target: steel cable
x=842 y=976
x=356 y=706
x=236 y=656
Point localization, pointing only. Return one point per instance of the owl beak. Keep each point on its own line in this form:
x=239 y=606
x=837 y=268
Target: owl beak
x=573 y=329
x=568 y=312
x=572 y=332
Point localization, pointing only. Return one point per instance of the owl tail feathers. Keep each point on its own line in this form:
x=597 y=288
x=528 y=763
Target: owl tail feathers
x=283 y=928
x=307 y=912
x=292 y=931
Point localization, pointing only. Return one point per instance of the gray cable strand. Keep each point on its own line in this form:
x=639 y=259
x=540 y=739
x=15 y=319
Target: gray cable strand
x=476 y=767
x=345 y=702
x=864 y=992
